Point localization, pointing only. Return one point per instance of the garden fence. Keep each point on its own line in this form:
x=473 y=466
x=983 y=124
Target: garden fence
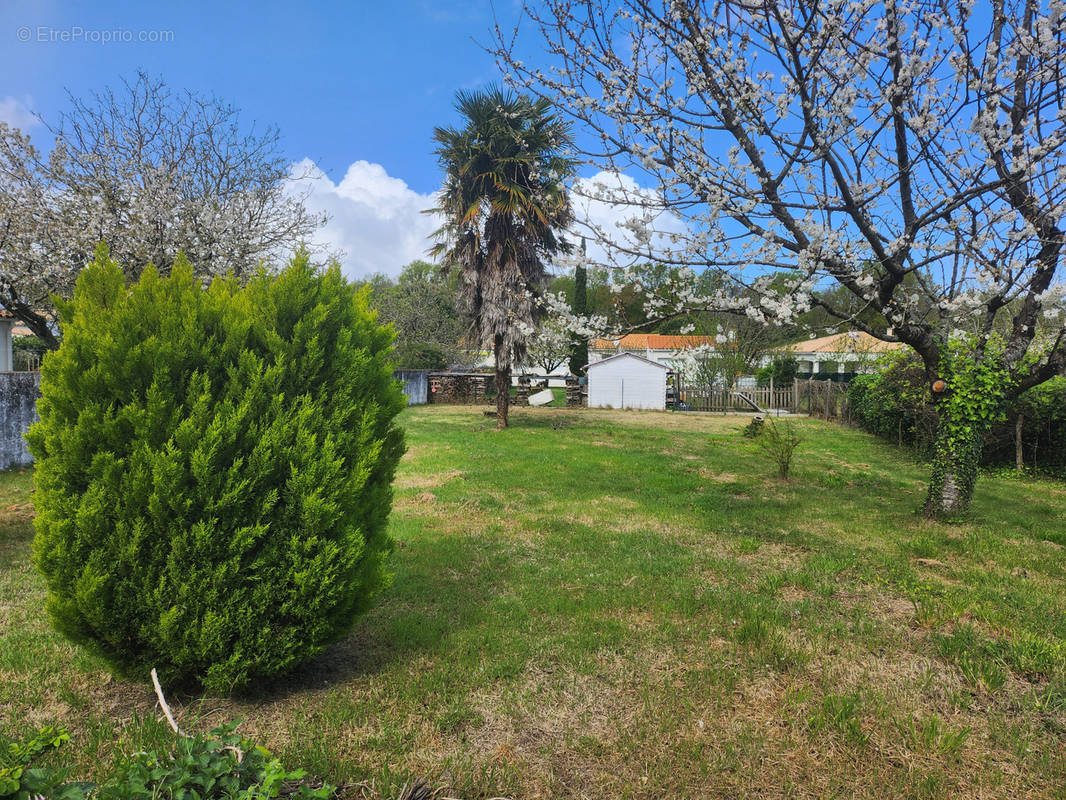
x=818 y=398
x=724 y=401
x=825 y=399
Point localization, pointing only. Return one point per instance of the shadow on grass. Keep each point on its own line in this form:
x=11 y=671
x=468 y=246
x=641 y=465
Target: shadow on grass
x=441 y=586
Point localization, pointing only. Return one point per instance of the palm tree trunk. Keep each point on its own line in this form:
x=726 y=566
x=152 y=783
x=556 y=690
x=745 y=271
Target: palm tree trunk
x=503 y=382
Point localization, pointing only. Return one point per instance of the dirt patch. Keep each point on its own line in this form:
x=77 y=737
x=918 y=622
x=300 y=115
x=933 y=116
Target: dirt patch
x=790 y=593
x=717 y=477
x=898 y=609
x=929 y=562
x=426 y=480
x=414 y=502
x=16 y=514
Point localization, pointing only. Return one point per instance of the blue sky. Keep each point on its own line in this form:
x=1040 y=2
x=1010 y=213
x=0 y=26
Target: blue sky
x=343 y=81
x=356 y=89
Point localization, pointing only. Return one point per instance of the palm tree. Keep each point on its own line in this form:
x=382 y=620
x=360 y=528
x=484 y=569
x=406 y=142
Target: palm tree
x=504 y=206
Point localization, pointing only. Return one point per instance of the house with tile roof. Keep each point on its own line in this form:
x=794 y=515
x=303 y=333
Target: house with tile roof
x=839 y=354
x=661 y=348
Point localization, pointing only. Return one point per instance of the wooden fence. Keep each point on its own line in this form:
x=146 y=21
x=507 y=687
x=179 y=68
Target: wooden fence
x=825 y=399
x=724 y=401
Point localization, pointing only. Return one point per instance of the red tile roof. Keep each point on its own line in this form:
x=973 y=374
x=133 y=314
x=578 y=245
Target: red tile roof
x=652 y=341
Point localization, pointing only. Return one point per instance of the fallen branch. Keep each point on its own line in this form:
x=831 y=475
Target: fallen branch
x=163 y=704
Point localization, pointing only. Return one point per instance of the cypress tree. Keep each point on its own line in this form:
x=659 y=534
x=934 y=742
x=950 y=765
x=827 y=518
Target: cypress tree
x=214 y=469
x=579 y=351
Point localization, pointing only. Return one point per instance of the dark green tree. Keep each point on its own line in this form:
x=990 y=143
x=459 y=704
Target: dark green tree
x=504 y=205
x=782 y=370
x=420 y=305
x=579 y=353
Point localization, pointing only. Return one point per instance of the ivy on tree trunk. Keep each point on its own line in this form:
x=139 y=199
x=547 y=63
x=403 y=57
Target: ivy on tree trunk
x=955 y=462
x=973 y=395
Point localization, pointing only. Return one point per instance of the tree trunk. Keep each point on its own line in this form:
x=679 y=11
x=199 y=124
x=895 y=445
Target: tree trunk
x=503 y=383
x=955 y=462
x=1019 y=425
x=37 y=324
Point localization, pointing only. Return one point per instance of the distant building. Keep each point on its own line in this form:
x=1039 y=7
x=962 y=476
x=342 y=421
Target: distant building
x=840 y=354
x=664 y=349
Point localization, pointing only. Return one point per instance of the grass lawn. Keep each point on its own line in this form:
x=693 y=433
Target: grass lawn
x=607 y=604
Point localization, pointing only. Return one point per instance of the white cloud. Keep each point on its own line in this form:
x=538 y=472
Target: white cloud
x=17 y=114
x=618 y=211
x=376 y=221
x=377 y=225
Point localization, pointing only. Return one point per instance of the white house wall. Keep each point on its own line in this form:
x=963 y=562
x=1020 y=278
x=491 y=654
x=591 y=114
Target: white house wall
x=627 y=383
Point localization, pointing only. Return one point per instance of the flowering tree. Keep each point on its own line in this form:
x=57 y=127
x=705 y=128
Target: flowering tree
x=149 y=172
x=551 y=346
x=913 y=153
x=504 y=206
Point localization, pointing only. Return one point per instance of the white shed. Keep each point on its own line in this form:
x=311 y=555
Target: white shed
x=627 y=381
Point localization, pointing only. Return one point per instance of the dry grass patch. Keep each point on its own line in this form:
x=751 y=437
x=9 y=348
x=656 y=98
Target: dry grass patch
x=716 y=476
x=427 y=480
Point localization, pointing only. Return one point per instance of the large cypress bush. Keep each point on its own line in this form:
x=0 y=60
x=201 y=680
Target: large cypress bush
x=214 y=469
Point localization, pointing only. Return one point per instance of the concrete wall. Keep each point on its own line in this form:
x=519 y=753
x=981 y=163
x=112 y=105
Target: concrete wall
x=18 y=410
x=415 y=385
x=627 y=382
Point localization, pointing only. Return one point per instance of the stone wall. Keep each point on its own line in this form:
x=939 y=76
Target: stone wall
x=576 y=394
x=18 y=410
x=459 y=388
x=522 y=390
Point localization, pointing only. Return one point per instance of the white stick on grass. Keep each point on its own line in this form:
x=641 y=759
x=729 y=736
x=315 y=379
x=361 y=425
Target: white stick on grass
x=163 y=704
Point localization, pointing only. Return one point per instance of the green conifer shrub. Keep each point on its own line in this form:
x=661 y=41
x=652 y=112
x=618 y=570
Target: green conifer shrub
x=214 y=469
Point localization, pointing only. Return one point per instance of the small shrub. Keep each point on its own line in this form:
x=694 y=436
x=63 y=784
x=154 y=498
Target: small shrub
x=754 y=428
x=780 y=440
x=218 y=766
x=214 y=469
x=20 y=780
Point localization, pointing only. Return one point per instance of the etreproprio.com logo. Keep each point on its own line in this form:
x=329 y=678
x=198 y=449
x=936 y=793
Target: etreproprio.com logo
x=76 y=34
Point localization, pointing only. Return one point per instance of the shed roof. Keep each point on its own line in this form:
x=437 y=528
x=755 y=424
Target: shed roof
x=628 y=355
